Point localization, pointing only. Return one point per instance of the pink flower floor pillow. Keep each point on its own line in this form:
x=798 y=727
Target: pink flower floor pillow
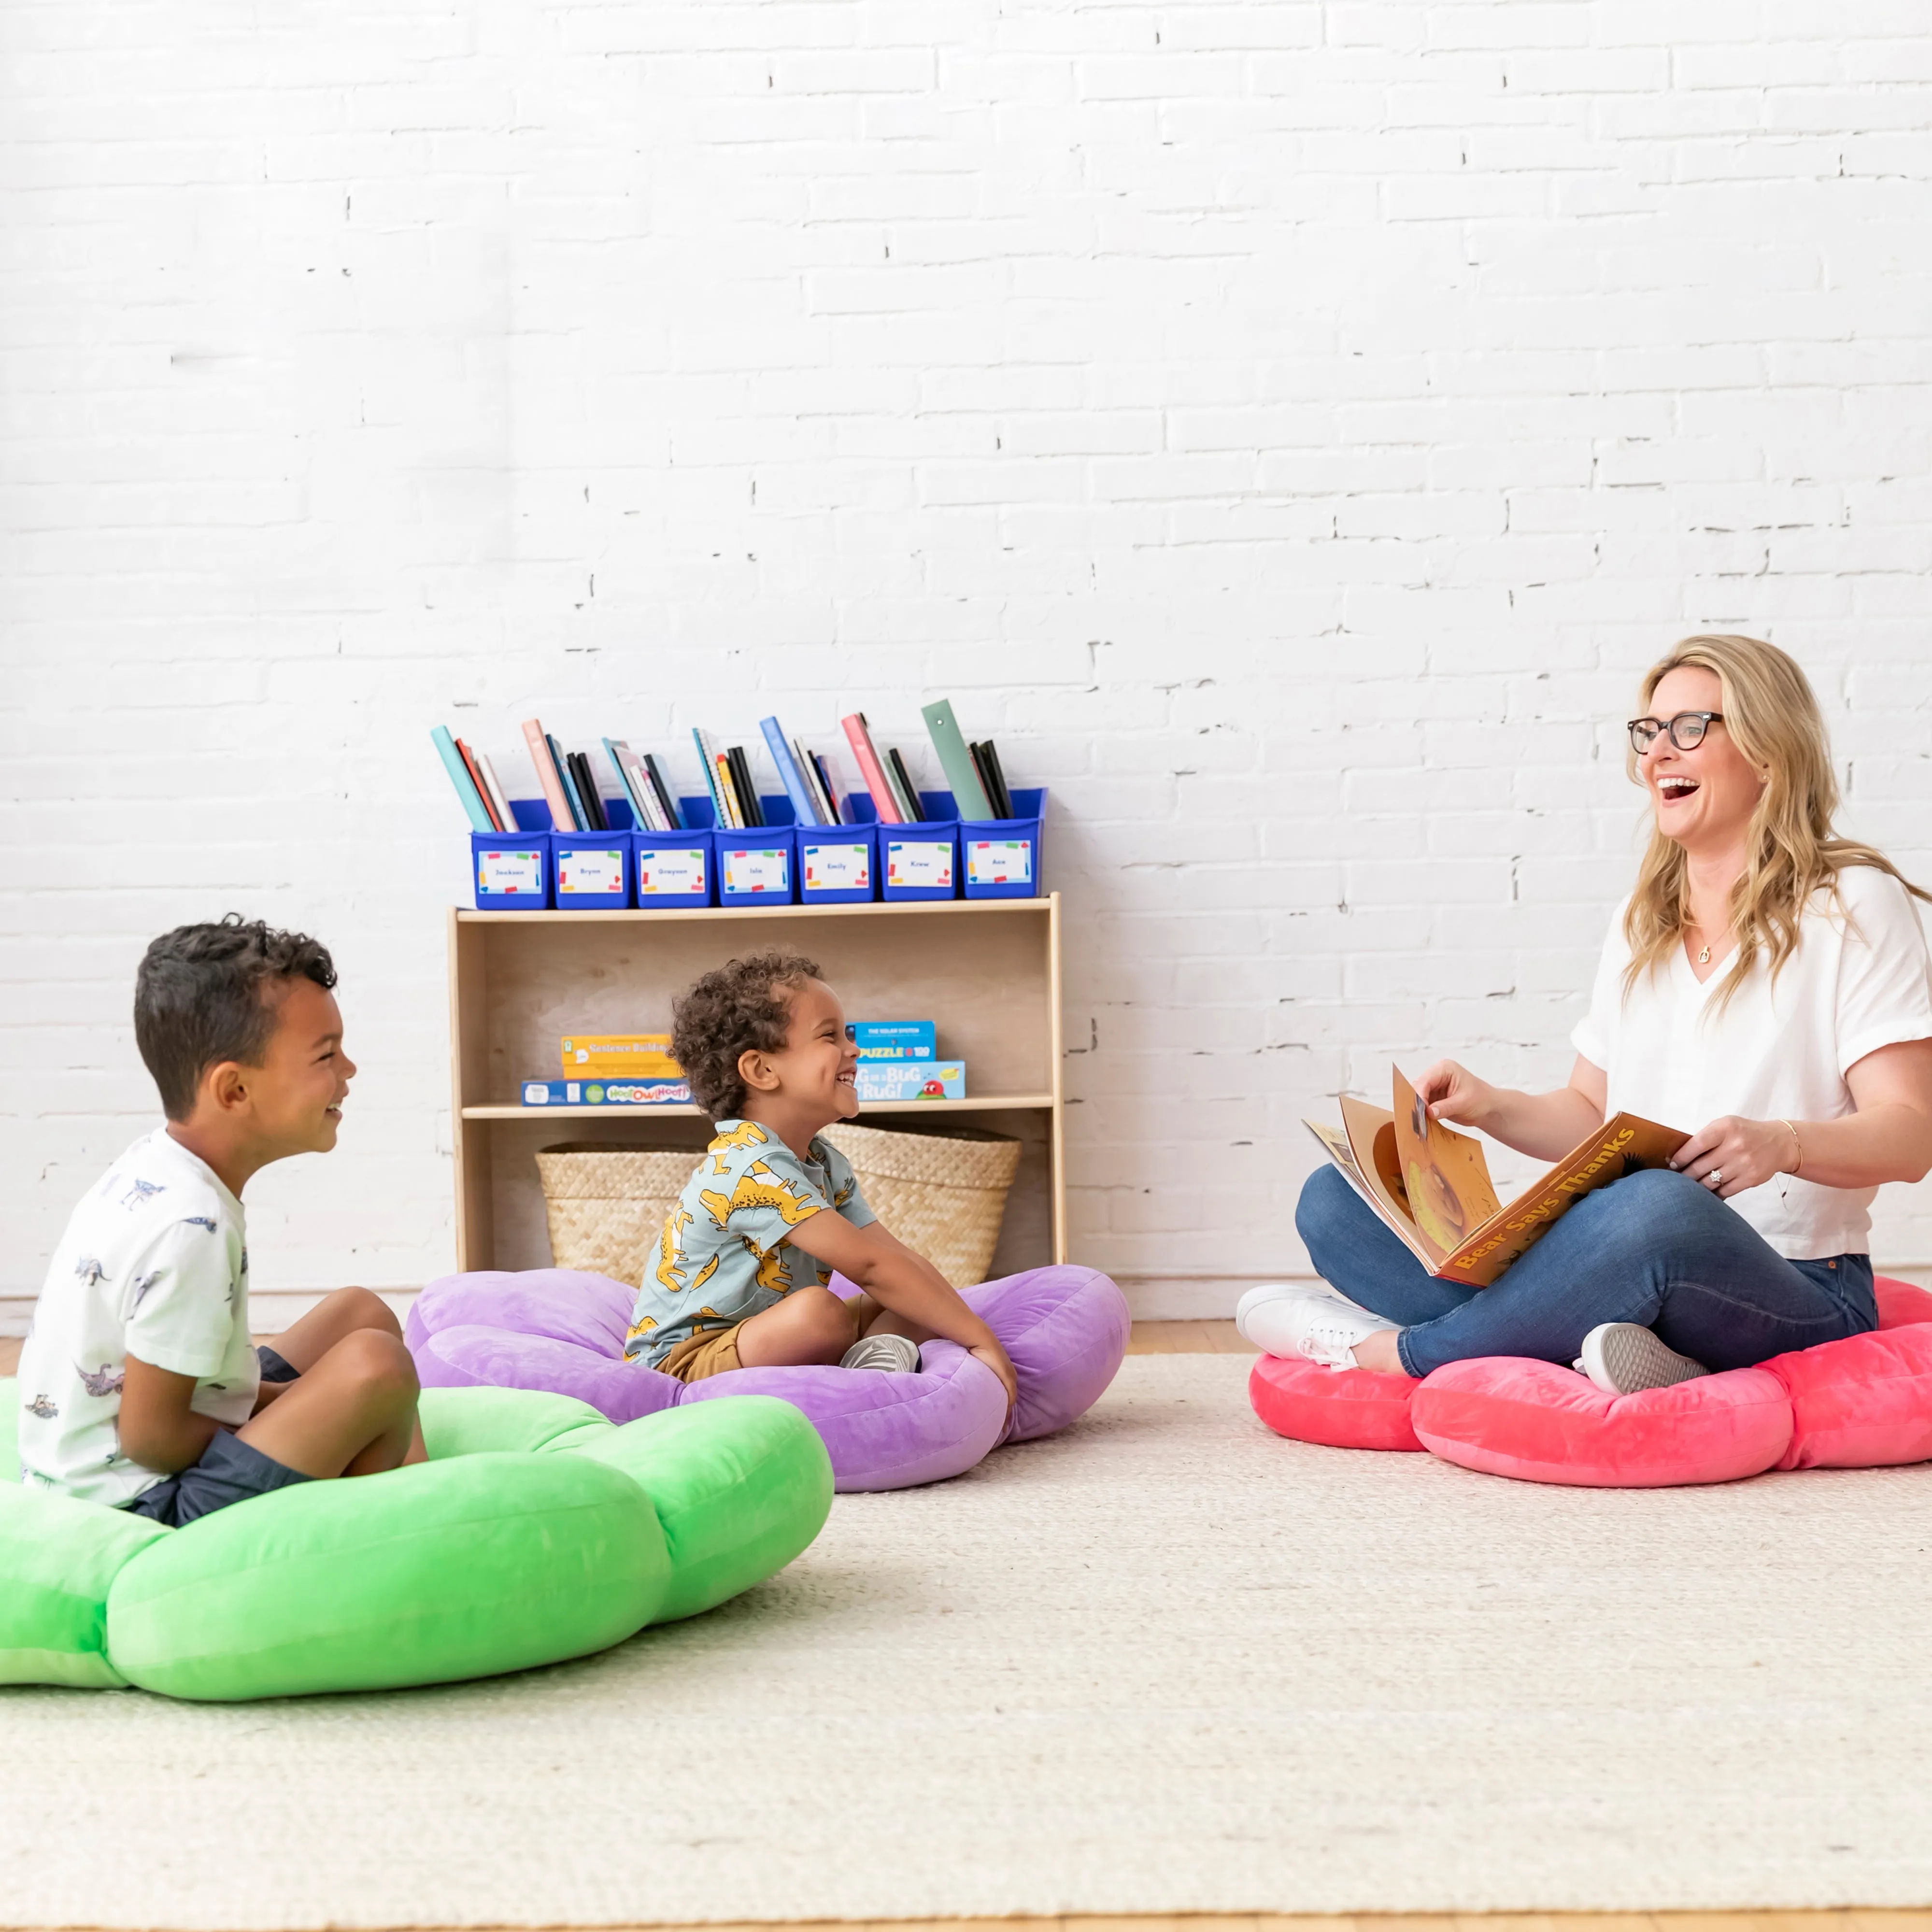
x=1860 y=1402
x=1346 y=1409
x=1509 y=1417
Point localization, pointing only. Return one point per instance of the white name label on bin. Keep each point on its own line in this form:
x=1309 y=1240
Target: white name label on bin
x=911 y=863
x=999 y=862
x=519 y=872
x=758 y=872
x=589 y=872
x=678 y=871
x=838 y=869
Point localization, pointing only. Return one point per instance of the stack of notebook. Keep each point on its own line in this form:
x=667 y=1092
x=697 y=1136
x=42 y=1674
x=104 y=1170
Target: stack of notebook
x=973 y=773
x=806 y=777
x=569 y=786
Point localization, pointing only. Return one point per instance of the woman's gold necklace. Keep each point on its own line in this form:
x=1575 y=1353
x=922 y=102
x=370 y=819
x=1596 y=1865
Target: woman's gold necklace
x=1704 y=957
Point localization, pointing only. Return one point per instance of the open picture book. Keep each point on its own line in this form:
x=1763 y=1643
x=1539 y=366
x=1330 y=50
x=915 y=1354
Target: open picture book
x=1431 y=1185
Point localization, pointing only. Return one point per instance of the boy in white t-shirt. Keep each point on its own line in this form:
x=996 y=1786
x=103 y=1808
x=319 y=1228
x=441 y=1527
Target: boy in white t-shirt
x=138 y=1385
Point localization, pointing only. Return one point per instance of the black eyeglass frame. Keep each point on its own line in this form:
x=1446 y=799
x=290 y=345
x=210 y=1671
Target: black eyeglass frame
x=1706 y=719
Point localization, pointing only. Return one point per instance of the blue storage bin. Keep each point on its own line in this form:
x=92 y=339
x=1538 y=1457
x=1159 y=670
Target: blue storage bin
x=596 y=872
x=1000 y=858
x=674 y=869
x=510 y=871
x=915 y=862
x=756 y=865
x=838 y=864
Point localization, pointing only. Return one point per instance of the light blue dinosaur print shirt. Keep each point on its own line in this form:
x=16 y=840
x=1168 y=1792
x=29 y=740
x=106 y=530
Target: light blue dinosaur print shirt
x=725 y=1255
x=154 y=1264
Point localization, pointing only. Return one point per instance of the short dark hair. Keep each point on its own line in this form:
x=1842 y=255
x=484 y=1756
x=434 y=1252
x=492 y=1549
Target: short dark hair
x=206 y=994
x=741 y=1006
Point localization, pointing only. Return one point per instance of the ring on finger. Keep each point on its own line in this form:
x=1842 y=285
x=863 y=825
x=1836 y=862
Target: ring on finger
x=1716 y=1177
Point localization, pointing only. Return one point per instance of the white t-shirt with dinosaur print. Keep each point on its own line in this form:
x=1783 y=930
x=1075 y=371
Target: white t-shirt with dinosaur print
x=154 y=1264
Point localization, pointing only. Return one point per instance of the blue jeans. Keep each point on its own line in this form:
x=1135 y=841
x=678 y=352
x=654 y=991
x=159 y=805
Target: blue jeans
x=1655 y=1248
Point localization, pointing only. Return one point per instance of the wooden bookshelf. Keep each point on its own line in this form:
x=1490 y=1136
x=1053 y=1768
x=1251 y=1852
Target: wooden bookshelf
x=986 y=970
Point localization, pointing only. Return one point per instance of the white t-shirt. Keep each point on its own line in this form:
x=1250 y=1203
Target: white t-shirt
x=153 y=1264
x=1777 y=1052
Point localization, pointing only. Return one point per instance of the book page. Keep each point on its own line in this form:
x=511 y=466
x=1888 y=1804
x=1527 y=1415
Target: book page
x=1445 y=1176
x=1372 y=1140
x=1335 y=1144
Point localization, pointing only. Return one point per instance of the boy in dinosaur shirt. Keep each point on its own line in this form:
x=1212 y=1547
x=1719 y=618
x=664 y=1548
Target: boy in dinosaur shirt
x=741 y=1277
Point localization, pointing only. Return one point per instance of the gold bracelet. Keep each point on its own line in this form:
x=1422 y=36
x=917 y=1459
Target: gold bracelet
x=1795 y=1142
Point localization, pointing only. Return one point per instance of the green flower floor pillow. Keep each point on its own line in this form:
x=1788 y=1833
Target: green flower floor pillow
x=536 y=1531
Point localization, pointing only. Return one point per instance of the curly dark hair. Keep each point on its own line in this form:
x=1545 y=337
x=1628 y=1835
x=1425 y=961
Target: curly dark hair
x=204 y=994
x=740 y=1007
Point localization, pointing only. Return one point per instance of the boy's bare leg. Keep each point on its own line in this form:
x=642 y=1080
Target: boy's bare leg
x=353 y=1412
x=303 y=1343
x=869 y=1319
x=333 y=1319
x=810 y=1325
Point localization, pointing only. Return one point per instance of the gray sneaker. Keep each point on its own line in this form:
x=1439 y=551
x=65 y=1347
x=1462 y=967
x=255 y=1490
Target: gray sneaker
x=893 y=1353
x=1622 y=1357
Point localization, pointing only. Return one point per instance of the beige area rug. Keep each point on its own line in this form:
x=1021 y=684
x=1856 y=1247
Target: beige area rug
x=1166 y=1663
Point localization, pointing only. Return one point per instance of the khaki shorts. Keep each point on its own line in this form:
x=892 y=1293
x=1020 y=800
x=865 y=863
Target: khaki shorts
x=715 y=1352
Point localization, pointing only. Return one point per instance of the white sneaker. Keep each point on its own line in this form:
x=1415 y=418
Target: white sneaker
x=1291 y=1318
x=1622 y=1356
x=897 y=1355
x=1264 y=1293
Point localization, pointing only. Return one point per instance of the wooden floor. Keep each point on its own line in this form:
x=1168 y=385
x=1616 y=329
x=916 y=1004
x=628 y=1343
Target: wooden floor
x=1860 y=1920
x=1188 y=1338
x=1150 y=1338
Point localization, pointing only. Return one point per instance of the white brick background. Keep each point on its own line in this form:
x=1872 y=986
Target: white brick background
x=1288 y=427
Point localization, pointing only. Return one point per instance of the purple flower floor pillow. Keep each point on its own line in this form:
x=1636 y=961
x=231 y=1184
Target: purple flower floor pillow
x=554 y=1329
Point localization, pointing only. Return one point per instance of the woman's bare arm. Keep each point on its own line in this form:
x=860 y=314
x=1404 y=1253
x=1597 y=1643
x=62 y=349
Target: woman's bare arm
x=1545 y=1126
x=1889 y=1138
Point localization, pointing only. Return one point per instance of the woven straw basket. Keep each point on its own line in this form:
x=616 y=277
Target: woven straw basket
x=607 y=1204
x=943 y=1195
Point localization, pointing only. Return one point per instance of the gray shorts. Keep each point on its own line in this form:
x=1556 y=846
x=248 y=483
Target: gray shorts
x=228 y=1470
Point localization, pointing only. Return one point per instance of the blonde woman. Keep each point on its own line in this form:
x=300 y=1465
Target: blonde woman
x=1767 y=986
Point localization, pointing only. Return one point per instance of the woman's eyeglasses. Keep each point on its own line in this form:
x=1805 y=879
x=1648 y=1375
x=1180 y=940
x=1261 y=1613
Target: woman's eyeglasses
x=1687 y=729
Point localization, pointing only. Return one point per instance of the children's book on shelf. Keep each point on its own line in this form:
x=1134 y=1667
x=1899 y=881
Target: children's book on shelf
x=956 y=760
x=751 y=807
x=905 y=793
x=646 y=809
x=606 y=1092
x=986 y=758
x=482 y=818
x=578 y=818
x=791 y=767
x=894 y=1039
x=871 y=774
x=548 y=782
x=583 y=791
x=879 y=1080
x=499 y=798
x=473 y=765
x=1430 y=1186
x=711 y=762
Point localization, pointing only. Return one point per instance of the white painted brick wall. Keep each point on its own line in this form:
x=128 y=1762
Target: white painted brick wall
x=1289 y=428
